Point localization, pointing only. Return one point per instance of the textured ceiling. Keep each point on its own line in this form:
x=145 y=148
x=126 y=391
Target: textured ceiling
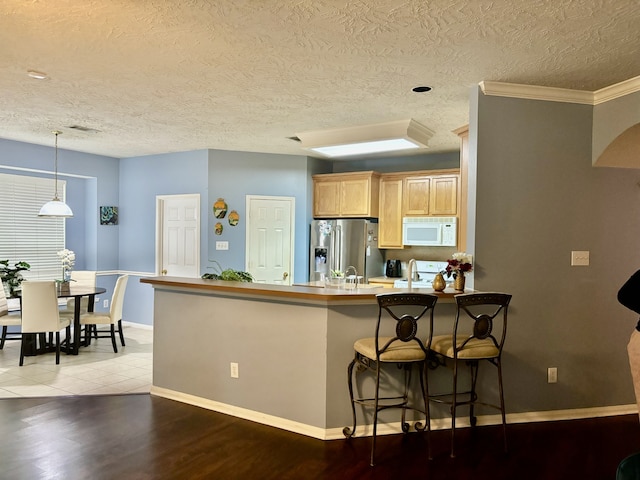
x=157 y=76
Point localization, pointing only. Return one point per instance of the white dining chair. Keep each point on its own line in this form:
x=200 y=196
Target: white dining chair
x=81 y=278
x=7 y=319
x=113 y=318
x=40 y=314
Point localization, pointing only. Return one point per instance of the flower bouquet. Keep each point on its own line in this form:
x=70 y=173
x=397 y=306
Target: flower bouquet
x=458 y=265
x=68 y=259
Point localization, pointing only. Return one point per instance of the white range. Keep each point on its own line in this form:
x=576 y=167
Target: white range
x=426 y=272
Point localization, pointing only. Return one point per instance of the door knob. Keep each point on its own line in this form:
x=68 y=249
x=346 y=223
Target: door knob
x=164 y=271
x=285 y=275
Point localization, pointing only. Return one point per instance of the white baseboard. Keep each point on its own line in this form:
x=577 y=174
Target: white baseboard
x=389 y=428
x=243 y=413
x=142 y=326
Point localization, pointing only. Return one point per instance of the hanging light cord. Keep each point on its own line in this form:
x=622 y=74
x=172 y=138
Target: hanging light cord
x=55 y=172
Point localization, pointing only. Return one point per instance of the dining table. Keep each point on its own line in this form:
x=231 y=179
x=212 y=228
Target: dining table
x=76 y=292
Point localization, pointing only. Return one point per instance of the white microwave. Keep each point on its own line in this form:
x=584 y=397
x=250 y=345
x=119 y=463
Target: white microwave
x=429 y=231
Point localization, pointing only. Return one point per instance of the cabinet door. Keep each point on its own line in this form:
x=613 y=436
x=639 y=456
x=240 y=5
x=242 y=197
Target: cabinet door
x=356 y=196
x=390 y=219
x=326 y=199
x=444 y=195
x=416 y=196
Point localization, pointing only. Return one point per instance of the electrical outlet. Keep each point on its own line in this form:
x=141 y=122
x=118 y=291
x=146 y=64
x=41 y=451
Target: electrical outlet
x=222 y=245
x=105 y=303
x=552 y=375
x=234 y=370
x=580 y=259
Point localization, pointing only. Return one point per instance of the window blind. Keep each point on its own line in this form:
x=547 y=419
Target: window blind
x=23 y=235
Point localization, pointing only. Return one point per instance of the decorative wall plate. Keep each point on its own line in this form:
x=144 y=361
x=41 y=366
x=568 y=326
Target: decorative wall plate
x=220 y=208
x=234 y=218
x=218 y=228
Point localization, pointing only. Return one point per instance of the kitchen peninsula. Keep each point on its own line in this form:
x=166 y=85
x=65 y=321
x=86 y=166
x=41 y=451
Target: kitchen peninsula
x=288 y=346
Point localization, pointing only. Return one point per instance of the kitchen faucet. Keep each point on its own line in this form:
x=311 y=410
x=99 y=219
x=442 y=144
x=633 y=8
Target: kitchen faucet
x=410 y=266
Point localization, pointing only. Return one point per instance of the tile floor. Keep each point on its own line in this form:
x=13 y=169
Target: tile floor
x=96 y=370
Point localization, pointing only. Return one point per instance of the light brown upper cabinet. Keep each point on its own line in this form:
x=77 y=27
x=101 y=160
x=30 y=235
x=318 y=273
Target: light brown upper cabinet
x=390 y=218
x=416 y=195
x=430 y=195
x=350 y=195
x=443 y=198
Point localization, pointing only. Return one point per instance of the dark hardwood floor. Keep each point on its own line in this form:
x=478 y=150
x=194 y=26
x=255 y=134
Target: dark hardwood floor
x=145 y=437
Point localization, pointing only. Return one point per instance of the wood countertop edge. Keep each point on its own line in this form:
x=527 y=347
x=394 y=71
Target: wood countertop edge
x=311 y=294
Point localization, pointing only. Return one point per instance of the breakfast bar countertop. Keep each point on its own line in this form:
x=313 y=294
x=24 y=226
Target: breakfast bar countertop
x=297 y=293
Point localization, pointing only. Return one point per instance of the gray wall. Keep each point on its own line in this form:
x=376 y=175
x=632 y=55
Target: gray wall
x=539 y=198
x=433 y=161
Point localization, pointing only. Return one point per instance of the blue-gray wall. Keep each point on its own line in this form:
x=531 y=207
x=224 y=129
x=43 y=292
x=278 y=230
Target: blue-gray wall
x=232 y=176
x=142 y=179
x=92 y=180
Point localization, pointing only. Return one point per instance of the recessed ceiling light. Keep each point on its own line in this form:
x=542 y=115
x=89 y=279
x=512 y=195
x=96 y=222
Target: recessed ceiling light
x=367 y=139
x=421 y=89
x=37 y=75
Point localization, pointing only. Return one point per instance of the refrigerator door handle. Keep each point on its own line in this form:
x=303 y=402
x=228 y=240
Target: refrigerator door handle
x=336 y=248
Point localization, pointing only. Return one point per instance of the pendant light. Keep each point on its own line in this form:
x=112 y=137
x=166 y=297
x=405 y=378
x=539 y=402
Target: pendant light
x=56 y=207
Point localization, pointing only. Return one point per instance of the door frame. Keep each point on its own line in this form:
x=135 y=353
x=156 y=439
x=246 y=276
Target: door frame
x=292 y=225
x=160 y=200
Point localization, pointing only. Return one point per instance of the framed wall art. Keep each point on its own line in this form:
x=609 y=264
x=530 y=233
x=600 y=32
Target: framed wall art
x=108 y=215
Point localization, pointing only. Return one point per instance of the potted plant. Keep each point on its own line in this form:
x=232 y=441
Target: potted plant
x=11 y=276
x=229 y=275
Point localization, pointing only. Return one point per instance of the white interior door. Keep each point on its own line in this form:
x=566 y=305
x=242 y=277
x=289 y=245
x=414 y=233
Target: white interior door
x=269 y=255
x=178 y=236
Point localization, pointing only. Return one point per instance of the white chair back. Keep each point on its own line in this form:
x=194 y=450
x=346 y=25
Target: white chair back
x=117 y=300
x=4 y=308
x=84 y=277
x=40 y=307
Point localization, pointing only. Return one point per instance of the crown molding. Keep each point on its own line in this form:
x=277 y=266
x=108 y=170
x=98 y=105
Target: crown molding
x=552 y=94
x=617 y=90
x=535 y=92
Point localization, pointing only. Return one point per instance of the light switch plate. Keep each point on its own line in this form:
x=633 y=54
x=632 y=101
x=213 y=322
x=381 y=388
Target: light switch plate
x=579 y=258
x=222 y=245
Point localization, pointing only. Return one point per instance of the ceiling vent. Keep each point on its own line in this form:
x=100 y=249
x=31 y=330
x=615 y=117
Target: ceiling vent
x=83 y=129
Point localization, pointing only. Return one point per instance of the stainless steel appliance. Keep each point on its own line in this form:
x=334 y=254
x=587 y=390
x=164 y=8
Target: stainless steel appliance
x=425 y=272
x=338 y=244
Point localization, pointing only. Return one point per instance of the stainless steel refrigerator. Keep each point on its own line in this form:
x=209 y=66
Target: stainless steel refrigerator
x=338 y=244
